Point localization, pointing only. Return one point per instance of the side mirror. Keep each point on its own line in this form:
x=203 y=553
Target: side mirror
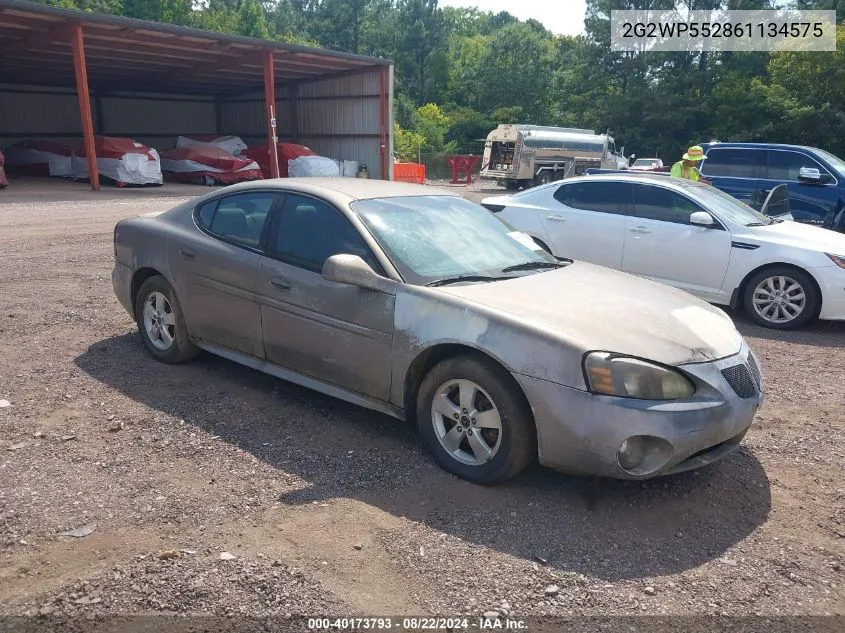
x=701 y=218
x=632 y=158
x=354 y=271
x=809 y=174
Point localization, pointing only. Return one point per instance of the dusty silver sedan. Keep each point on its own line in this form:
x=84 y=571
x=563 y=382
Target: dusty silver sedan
x=417 y=303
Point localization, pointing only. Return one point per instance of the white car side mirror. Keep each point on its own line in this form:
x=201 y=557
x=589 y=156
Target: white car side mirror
x=701 y=218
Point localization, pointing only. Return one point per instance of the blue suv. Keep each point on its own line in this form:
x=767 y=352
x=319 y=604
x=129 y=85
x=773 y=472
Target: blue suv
x=749 y=171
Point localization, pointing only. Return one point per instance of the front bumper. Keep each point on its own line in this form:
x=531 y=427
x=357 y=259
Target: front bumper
x=121 y=281
x=581 y=433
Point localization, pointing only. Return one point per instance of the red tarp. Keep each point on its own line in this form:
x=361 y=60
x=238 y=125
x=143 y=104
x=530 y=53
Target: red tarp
x=114 y=147
x=39 y=158
x=285 y=152
x=195 y=164
x=3 y=181
x=122 y=160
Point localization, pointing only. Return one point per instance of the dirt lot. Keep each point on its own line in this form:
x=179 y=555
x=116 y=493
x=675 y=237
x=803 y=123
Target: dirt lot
x=328 y=508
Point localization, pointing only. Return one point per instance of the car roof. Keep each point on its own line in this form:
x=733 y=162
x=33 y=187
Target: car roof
x=342 y=190
x=708 y=146
x=660 y=178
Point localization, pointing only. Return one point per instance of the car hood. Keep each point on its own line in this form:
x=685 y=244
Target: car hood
x=801 y=235
x=595 y=308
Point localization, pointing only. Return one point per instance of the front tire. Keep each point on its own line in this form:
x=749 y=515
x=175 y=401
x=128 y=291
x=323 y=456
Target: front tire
x=781 y=298
x=474 y=421
x=160 y=322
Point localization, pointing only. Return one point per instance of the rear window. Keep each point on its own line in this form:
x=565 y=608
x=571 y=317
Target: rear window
x=604 y=197
x=736 y=163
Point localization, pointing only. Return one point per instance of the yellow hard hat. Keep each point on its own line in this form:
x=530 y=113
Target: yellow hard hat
x=695 y=153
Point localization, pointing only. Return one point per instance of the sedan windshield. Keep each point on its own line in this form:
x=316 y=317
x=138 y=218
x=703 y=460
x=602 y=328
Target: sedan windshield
x=645 y=162
x=440 y=239
x=729 y=208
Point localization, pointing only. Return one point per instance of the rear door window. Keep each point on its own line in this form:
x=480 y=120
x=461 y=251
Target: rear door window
x=239 y=219
x=733 y=163
x=603 y=197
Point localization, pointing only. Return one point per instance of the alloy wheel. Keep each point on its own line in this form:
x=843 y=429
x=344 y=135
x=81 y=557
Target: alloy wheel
x=466 y=422
x=779 y=299
x=159 y=321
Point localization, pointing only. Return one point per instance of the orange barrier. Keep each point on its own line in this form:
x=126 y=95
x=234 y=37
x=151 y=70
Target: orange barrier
x=409 y=172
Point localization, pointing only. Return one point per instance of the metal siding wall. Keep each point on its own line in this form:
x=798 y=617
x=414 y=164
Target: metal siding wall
x=156 y=120
x=352 y=85
x=46 y=114
x=344 y=128
x=247 y=120
x=325 y=122
x=157 y=123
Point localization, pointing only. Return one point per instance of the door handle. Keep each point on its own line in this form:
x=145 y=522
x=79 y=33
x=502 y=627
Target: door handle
x=187 y=253
x=555 y=218
x=280 y=284
x=640 y=229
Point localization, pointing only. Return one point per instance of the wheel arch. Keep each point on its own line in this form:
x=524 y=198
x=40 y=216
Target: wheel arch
x=138 y=278
x=439 y=352
x=739 y=292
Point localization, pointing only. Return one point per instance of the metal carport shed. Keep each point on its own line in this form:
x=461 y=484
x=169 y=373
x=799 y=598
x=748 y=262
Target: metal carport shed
x=68 y=74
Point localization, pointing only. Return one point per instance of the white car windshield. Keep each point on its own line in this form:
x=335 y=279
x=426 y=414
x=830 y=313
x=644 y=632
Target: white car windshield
x=834 y=161
x=431 y=239
x=728 y=207
x=645 y=162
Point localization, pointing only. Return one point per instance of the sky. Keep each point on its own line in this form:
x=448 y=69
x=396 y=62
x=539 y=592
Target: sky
x=562 y=17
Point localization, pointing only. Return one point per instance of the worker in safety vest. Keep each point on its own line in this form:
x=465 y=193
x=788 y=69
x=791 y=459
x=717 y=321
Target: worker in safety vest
x=688 y=167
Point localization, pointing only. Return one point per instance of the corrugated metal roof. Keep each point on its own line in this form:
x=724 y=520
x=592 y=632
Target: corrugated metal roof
x=128 y=54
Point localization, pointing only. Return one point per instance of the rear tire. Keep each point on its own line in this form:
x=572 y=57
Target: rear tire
x=511 y=185
x=781 y=298
x=161 y=323
x=543 y=178
x=493 y=438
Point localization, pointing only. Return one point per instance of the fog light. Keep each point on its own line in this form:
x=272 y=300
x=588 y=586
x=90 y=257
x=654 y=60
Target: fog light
x=643 y=454
x=631 y=452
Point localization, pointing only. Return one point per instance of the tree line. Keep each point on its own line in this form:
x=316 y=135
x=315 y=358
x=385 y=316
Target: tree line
x=461 y=72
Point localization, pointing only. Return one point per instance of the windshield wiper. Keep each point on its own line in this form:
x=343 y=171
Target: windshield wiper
x=759 y=223
x=458 y=279
x=532 y=266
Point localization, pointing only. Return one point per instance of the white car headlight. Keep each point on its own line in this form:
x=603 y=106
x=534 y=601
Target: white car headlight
x=839 y=260
x=628 y=377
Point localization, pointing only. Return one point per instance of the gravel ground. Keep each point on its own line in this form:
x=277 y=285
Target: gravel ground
x=211 y=488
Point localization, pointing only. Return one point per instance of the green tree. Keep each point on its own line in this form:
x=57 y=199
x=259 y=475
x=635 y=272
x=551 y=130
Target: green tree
x=420 y=55
x=407 y=144
x=433 y=124
x=251 y=20
x=517 y=71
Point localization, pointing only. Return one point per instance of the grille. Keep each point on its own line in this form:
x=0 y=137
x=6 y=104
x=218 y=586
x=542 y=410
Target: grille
x=755 y=371
x=740 y=380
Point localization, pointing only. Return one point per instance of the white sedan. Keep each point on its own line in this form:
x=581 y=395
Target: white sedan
x=691 y=236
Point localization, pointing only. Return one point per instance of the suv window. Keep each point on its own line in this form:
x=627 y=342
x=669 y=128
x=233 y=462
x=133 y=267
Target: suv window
x=657 y=203
x=736 y=163
x=239 y=218
x=784 y=164
x=310 y=231
x=604 y=197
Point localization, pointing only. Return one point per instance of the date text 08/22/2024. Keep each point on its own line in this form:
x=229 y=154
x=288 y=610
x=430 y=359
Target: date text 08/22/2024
x=417 y=623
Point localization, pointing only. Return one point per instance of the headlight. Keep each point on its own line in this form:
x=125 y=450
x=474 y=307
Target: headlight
x=839 y=260
x=634 y=378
